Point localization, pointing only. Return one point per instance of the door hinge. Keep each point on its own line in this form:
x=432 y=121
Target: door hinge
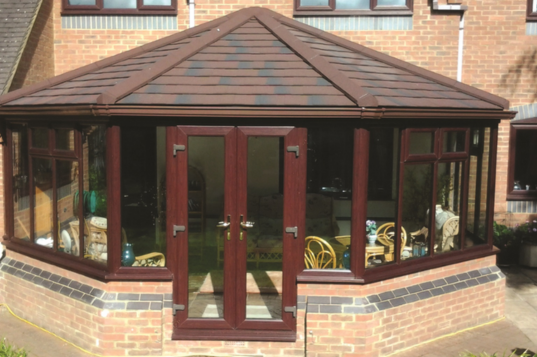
x=294 y=149
x=177 y=148
x=178 y=229
x=290 y=309
x=178 y=307
x=293 y=230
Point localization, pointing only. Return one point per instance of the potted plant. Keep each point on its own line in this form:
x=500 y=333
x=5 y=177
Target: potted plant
x=527 y=233
x=507 y=241
x=371 y=229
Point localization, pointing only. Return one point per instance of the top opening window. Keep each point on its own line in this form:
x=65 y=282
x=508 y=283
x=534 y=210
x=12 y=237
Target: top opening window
x=358 y=7
x=120 y=7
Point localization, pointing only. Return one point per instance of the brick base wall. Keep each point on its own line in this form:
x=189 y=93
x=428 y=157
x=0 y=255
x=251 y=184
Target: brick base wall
x=135 y=318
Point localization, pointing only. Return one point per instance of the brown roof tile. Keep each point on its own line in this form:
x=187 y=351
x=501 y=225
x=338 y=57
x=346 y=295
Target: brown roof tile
x=255 y=58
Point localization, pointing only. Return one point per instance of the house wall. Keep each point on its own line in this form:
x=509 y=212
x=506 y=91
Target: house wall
x=133 y=318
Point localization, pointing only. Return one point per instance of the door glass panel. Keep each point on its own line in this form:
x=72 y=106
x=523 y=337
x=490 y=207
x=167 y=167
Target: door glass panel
x=66 y=187
x=205 y=210
x=417 y=192
x=42 y=173
x=265 y=238
x=448 y=203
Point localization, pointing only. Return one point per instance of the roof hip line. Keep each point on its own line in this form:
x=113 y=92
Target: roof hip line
x=137 y=80
x=435 y=77
x=353 y=91
x=109 y=61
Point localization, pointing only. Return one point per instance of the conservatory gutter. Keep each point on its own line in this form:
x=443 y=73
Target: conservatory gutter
x=104 y=111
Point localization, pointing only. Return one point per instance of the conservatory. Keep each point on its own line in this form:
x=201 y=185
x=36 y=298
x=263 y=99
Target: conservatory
x=242 y=182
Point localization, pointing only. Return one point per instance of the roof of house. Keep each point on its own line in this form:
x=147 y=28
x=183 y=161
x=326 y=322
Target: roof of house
x=16 y=22
x=254 y=58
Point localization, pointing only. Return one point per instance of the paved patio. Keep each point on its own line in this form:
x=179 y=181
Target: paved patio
x=517 y=331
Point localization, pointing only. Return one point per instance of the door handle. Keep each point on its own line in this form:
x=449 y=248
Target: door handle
x=226 y=225
x=245 y=225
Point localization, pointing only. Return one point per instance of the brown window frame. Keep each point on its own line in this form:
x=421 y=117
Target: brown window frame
x=512 y=194
x=98 y=9
x=356 y=275
x=374 y=9
x=531 y=15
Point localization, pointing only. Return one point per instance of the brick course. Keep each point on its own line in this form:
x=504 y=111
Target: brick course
x=117 y=319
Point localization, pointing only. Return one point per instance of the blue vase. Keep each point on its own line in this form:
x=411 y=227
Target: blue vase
x=127 y=257
x=347 y=258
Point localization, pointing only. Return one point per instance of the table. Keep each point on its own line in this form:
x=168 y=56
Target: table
x=371 y=250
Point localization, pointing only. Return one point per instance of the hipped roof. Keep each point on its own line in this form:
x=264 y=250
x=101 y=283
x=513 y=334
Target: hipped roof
x=257 y=59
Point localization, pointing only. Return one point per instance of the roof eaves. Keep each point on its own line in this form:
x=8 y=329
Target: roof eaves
x=355 y=93
x=419 y=71
x=139 y=79
x=109 y=61
x=21 y=49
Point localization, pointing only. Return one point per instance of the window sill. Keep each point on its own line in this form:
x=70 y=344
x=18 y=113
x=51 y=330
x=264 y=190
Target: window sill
x=119 y=12
x=393 y=270
x=301 y=13
x=522 y=195
x=87 y=267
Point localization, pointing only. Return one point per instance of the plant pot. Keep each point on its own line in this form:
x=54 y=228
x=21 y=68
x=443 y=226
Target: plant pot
x=371 y=238
x=528 y=255
x=508 y=255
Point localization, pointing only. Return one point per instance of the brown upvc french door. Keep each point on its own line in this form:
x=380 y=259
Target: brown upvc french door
x=234 y=196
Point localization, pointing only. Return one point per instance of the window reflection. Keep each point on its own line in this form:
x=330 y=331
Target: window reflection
x=43 y=196
x=382 y=195
x=143 y=190
x=448 y=208
x=21 y=182
x=328 y=202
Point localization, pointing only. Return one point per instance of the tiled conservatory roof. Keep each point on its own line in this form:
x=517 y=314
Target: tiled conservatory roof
x=254 y=58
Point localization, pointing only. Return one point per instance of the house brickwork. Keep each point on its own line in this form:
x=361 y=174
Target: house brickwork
x=343 y=320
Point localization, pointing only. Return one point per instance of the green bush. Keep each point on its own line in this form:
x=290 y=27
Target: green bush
x=7 y=350
x=504 y=237
x=527 y=232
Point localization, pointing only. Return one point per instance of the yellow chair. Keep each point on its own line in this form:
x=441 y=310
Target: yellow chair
x=385 y=235
x=319 y=254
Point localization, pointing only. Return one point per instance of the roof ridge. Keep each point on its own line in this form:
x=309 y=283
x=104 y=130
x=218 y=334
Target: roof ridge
x=109 y=61
x=343 y=83
x=163 y=65
x=397 y=63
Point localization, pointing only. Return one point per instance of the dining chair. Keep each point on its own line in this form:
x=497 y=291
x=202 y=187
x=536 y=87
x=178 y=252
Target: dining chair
x=385 y=235
x=319 y=254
